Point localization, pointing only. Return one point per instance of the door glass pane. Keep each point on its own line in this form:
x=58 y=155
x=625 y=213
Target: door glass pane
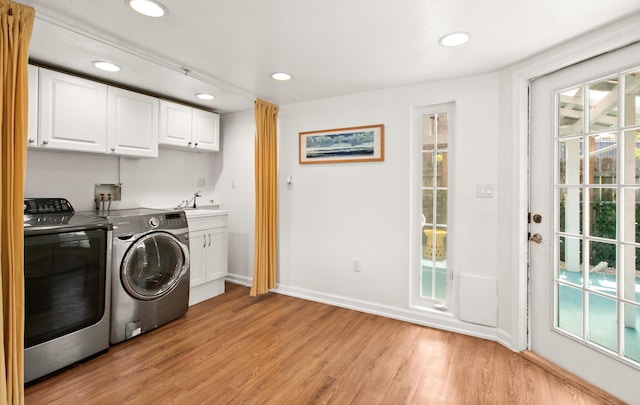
x=632 y=98
x=441 y=207
x=570 y=161
x=442 y=163
x=603 y=152
x=631 y=166
x=571 y=111
x=570 y=252
x=570 y=210
x=631 y=212
x=427 y=206
x=631 y=276
x=428 y=132
x=603 y=213
x=603 y=321
x=602 y=267
x=603 y=104
x=632 y=332
x=427 y=168
x=570 y=309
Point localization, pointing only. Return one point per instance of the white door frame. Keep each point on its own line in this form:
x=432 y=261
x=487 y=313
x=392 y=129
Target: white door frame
x=515 y=139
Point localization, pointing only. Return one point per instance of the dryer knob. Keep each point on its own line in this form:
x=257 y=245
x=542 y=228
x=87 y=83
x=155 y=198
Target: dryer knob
x=154 y=222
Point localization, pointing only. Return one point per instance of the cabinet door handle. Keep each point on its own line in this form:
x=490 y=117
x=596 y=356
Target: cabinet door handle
x=45 y=142
x=209 y=239
x=204 y=239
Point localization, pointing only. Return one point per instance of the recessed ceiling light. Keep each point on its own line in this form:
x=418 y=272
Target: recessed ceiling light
x=150 y=8
x=454 y=39
x=282 y=76
x=108 y=66
x=205 y=96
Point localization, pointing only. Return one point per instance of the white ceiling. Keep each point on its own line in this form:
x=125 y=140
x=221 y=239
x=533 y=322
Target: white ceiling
x=331 y=47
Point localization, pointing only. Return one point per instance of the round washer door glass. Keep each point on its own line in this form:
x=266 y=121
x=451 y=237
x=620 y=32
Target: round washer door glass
x=153 y=265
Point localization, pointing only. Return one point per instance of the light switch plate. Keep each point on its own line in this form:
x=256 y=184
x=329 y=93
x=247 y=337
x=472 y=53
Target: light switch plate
x=484 y=190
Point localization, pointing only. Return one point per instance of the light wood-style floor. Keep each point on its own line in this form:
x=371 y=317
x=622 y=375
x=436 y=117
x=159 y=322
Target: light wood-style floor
x=276 y=349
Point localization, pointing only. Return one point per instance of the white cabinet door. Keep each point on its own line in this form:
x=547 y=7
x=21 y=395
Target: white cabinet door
x=187 y=127
x=197 y=257
x=208 y=244
x=175 y=124
x=206 y=130
x=32 y=136
x=208 y=255
x=73 y=113
x=217 y=253
x=132 y=125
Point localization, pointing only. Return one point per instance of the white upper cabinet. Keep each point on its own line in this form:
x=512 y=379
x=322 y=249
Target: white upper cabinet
x=73 y=113
x=187 y=127
x=175 y=124
x=132 y=123
x=206 y=130
x=32 y=135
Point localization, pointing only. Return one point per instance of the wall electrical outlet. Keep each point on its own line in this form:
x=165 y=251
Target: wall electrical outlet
x=201 y=182
x=356 y=265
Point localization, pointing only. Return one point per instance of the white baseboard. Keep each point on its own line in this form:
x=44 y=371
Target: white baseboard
x=434 y=320
x=430 y=319
x=241 y=280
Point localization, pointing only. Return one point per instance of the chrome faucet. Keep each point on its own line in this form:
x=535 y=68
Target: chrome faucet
x=186 y=203
x=193 y=199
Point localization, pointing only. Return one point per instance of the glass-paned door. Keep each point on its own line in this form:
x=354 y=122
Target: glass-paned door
x=585 y=185
x=434 y=126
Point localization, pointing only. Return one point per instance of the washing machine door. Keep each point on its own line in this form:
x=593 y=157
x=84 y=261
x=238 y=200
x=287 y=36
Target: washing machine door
x=154 y=265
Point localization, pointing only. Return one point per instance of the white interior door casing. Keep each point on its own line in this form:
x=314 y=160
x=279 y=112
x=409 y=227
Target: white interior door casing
x=576 y=349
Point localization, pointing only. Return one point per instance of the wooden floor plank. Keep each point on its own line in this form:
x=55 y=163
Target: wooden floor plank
x=276 y=349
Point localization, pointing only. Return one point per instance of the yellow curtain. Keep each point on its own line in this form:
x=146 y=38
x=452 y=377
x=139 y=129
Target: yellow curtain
x=16 y=27
x=266 y=160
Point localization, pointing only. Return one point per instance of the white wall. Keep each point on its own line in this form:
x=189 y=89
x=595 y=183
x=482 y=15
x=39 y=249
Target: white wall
x=338 y=212
x=236 y=190
x=335 y=212
x=157 y=183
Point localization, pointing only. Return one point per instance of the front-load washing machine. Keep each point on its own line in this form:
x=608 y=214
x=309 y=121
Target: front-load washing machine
x=150 y=270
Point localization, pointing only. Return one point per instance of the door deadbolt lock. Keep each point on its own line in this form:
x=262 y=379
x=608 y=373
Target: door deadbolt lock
x=537 y=218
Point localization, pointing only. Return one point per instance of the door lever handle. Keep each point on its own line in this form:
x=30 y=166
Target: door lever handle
x=537 y=238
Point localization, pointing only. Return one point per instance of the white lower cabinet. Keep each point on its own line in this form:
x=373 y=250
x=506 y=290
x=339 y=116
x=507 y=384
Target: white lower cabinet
x=208 y=248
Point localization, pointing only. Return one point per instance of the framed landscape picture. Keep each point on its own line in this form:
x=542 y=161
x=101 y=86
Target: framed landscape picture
x=355 y=144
